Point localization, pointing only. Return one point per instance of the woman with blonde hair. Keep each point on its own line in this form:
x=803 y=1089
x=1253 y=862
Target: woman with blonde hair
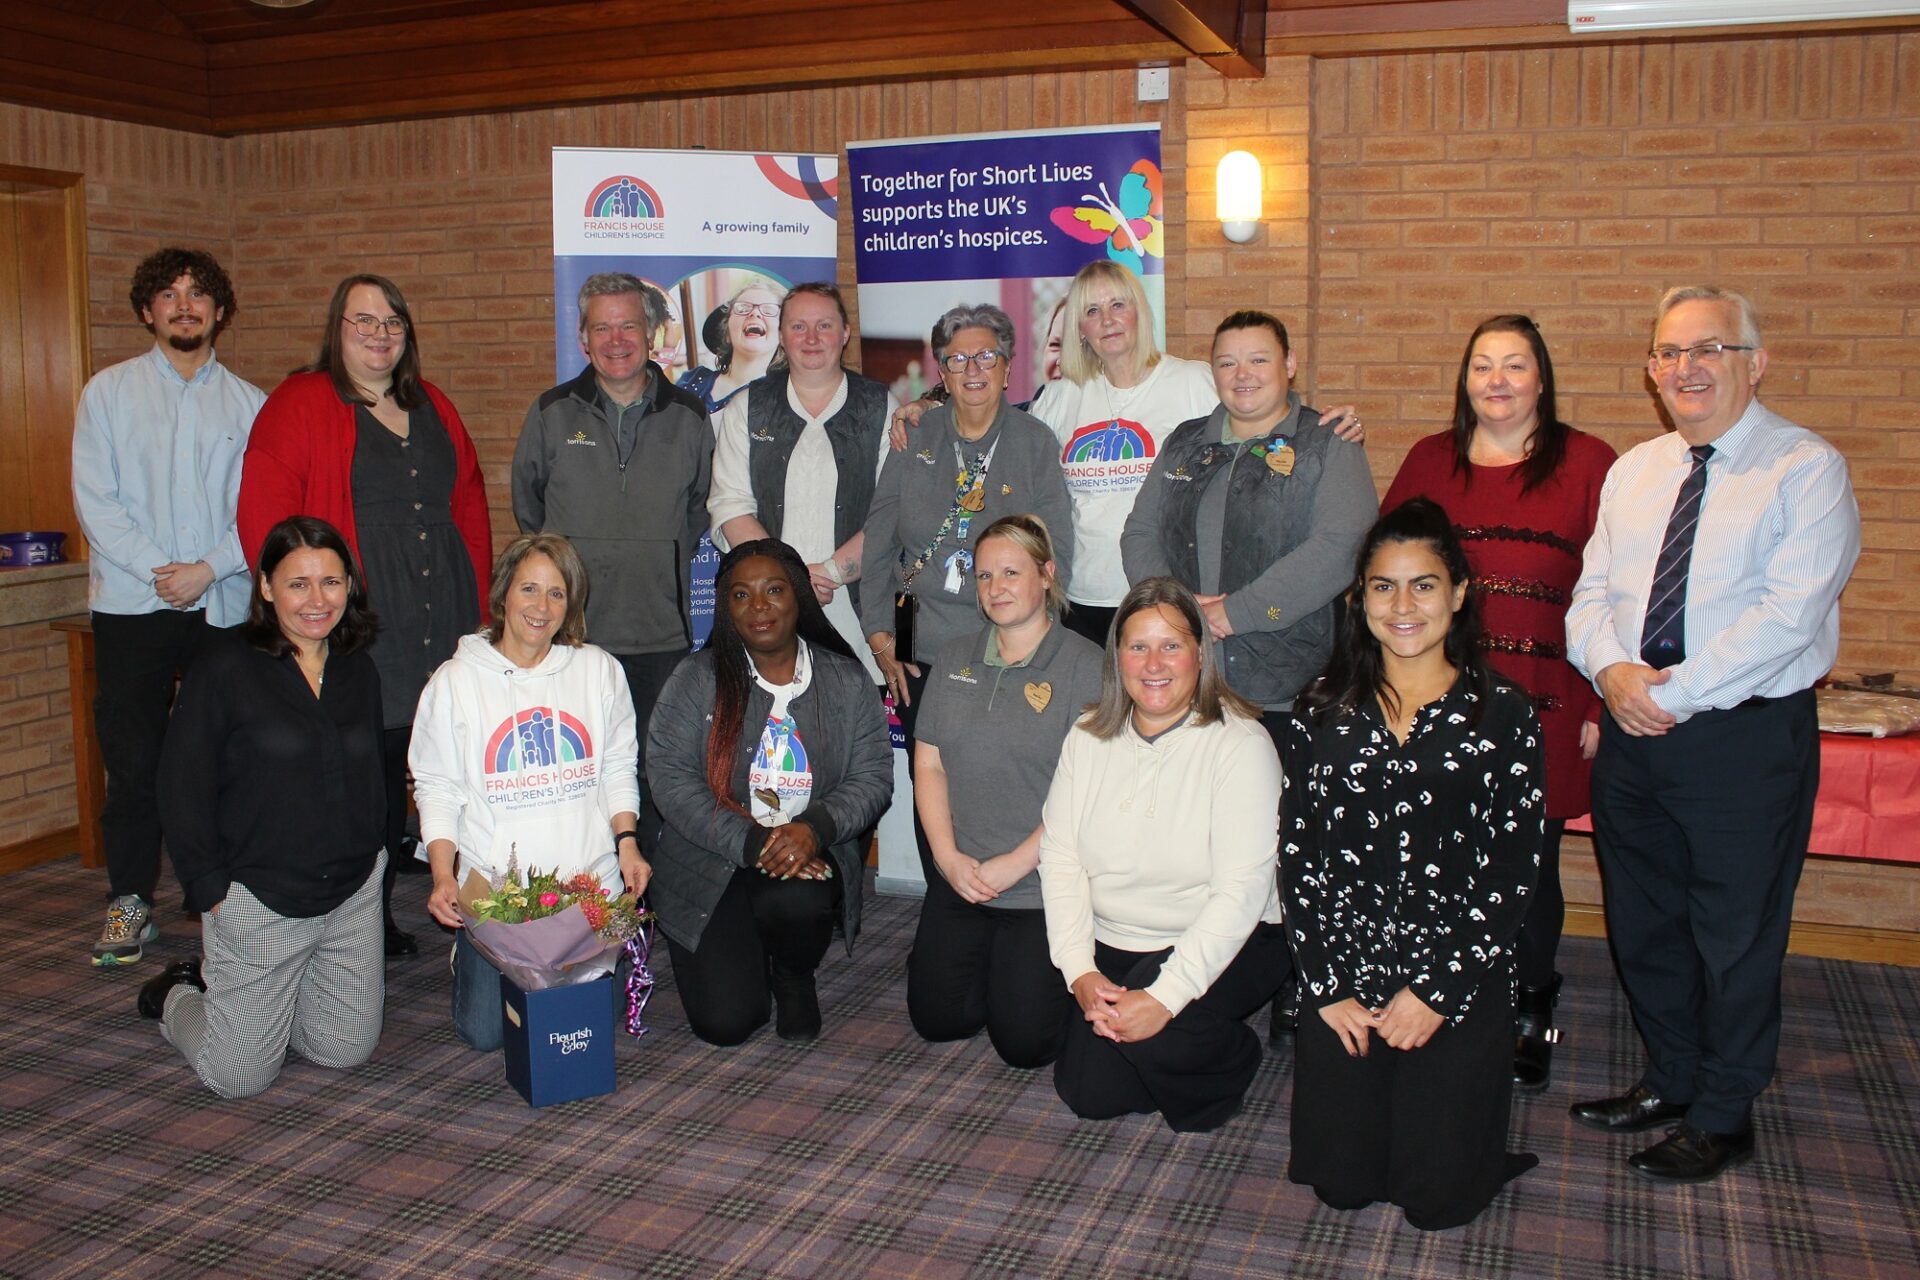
x=1117 y=400
x=1000 y=705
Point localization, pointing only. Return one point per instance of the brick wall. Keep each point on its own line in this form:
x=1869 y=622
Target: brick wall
x=144 y=187
x=1408 y=196
x=36 y=744
x=1576 y=184
x=458 y=212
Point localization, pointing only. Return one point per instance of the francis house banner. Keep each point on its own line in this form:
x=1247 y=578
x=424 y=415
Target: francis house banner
x=718 y=237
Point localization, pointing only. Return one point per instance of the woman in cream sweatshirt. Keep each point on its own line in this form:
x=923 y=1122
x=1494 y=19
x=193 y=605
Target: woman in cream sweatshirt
x=1157 y=876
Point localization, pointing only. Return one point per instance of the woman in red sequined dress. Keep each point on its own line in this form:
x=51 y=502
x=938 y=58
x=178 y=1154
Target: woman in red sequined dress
x=1522 y=488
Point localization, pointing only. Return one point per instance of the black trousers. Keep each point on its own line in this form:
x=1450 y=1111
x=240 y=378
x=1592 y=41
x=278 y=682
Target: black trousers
x=137 y=659
x=1546 y=916
x=762 y=933
x=909 y=717
x=975 y=966
x=1701 y=833
x=1092 y=621
x=1425 y=1129
x=646 y=675
x=393 y=766
x=1195 y=1073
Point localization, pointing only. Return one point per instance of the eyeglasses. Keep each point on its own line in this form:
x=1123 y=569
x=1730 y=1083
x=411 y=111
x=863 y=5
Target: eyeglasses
x=1699 y=353
x=982 y=360
x=367 y=326
x=765 y=310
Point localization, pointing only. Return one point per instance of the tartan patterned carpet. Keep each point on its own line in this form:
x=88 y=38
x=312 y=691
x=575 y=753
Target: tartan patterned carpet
x=867 y=1154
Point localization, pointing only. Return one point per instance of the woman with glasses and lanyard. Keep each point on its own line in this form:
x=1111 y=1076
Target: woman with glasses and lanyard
x=966 y=463
x=362 y=441
x=744 y=344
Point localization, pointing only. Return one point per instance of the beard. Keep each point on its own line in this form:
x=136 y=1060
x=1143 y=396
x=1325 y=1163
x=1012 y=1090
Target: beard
x=193 y=343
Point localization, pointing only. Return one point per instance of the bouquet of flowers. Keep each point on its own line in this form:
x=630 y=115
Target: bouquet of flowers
x=542 y=931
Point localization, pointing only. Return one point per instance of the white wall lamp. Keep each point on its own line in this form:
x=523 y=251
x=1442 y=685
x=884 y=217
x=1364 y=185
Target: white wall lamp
x=1237 y=195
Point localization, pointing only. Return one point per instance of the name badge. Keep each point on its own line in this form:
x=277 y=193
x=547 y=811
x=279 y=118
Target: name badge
x=959 y=565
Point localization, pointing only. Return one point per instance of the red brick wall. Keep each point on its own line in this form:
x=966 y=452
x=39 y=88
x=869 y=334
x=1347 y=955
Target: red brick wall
x=36 y=745
x=458 y=212
x=1576 y=184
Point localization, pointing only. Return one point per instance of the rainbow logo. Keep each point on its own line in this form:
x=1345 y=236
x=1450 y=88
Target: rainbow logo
x=536 y=738
x=1116 y=441
x=787 y=755
x=624 y=196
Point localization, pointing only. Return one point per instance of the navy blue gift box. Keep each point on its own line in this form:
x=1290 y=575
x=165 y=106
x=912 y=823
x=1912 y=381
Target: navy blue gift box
x=559 y=1042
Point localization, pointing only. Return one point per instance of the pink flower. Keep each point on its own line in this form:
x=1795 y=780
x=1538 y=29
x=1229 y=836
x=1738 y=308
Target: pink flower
x=549 y=899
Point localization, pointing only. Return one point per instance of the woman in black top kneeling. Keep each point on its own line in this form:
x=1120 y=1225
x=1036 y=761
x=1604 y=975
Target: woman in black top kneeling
x=1410 y=847
x=768 y=758
x=272 y=804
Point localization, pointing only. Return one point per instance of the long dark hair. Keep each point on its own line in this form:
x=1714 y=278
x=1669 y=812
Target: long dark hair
x=1357 y=671
x=732 y=674
x=1548 y=447
x=357 y=624
x=407 y=391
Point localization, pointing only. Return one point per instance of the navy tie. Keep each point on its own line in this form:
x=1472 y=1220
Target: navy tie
x=1663 y=639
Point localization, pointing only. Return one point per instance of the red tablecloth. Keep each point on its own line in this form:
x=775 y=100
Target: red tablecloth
x=1869 y=804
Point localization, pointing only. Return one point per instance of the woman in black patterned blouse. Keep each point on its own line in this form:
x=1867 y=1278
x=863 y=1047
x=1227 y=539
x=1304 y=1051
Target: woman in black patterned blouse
x=1413 y=832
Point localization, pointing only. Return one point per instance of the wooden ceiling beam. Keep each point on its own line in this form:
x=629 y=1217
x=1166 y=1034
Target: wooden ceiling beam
x=1227 y=35
x=456 y=92
x=66 y=62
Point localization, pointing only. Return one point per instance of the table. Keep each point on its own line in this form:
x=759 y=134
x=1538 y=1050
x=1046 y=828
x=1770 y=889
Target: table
x=89 y=774
x=1869 y=801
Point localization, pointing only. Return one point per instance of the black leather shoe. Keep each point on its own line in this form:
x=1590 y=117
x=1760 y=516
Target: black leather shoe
x=400 y=944
x=153 y=994
x=796 y=1009
x=1636 y=1109
x=1535 y=1035
x=1688 y=1154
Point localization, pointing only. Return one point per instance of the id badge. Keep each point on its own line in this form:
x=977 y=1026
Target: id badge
x=959 y=565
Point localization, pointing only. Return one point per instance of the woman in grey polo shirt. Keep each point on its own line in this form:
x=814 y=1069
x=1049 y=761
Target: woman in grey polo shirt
x=996 y=709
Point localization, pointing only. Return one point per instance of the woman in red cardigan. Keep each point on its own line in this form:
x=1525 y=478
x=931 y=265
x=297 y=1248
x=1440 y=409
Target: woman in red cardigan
x=360 y=440
x=1522 y=489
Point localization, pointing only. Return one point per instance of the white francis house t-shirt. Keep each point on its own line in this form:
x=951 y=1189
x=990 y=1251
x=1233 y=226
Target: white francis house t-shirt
x=1109 y=437
x=779 y=777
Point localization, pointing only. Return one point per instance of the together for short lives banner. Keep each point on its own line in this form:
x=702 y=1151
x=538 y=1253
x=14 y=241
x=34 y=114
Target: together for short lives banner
x=1006 y=218
x=719 y=236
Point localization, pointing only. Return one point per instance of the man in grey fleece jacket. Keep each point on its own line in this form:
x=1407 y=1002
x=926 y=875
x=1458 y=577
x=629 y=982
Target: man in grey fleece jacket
x=619 y=461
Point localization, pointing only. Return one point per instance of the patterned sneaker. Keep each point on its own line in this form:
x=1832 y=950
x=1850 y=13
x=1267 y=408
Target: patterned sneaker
x=129 y=926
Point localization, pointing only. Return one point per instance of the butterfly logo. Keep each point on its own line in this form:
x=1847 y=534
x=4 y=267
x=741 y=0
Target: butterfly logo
x=1131 y=226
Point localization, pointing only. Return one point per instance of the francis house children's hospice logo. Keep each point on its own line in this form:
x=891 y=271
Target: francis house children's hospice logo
x=1106 y=457
x=624 y=207
x=536 y=756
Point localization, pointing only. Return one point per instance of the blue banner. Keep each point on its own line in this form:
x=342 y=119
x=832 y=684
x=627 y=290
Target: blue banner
x=1005 y=218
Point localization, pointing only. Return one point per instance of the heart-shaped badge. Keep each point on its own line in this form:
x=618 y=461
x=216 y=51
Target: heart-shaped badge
x=1039 y=695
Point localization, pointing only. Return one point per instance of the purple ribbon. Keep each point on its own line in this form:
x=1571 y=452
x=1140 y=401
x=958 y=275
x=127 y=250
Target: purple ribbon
x=639 y=979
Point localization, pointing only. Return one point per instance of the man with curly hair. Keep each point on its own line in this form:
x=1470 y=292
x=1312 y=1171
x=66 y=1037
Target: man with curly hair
x=157 y=445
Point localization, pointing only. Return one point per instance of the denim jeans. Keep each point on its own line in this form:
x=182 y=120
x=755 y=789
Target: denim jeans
x=479 y=996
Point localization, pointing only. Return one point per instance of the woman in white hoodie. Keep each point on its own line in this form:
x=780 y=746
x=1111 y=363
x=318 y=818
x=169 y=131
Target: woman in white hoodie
x=524 y=745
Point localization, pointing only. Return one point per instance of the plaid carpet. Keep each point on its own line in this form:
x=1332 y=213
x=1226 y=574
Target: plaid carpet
x=867 y=1154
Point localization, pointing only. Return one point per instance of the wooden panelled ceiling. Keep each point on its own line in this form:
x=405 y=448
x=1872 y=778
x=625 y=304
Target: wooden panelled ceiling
x=232 y=66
